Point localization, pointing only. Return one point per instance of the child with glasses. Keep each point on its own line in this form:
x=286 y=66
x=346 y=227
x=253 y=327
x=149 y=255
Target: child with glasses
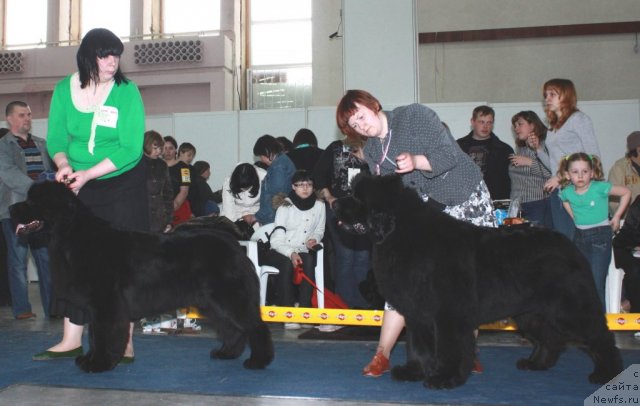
x=299 y=227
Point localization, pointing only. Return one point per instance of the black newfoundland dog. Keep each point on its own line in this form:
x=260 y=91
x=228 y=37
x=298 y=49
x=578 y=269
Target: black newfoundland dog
x=447 y=277
x=121 y=276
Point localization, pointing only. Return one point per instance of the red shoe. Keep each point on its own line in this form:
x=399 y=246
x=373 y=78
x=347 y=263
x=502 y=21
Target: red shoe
x=378 y=366
x=26 y=316
x=477 y=366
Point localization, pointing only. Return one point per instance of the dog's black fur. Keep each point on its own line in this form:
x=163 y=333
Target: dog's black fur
x=121 y=276
x=447 y=277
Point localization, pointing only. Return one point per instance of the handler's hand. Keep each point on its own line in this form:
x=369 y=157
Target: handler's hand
x=552 y=184
x=405 y=162
x=296 y=259
x=77 y=180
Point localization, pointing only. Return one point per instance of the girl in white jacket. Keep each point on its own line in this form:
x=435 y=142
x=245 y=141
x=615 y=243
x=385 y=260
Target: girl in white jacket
x=299 y=222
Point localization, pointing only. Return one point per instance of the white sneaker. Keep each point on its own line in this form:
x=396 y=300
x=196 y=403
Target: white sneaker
x=292 y=326
x=328 y=328
x=636 y=335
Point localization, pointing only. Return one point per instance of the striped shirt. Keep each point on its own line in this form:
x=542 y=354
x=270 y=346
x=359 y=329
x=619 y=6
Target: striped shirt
x=32 y=157
x=527 y=182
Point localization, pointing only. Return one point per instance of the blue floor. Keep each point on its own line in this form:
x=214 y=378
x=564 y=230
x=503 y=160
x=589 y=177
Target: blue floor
x=311 y=369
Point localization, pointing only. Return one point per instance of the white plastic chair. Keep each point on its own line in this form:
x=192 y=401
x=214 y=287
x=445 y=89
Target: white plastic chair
x=613 y=287
x=265 y=270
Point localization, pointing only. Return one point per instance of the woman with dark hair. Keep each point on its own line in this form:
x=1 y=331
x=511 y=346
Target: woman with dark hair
x=202 y=200
x=158 y=184
x=95 y=137
x=338 y=164
x=530 y=168
x=278 y=177
x=241 y=194
x=305 y=152
x=570 y=130
x=170 y=150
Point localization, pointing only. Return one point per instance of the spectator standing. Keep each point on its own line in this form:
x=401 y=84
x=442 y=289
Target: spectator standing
x=5 y=295
x=305 y=152
x=203 y=200
x=586 y=200
x=338 y=164
x=488 y=152
x=181 y=181
x=158 y=184
x=626 y=171
x=530 y=168
x=570 y=131
x=23 y=158
x=278 y=177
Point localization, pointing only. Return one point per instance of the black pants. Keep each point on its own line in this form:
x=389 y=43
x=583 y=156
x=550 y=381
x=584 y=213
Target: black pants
x=282 y=284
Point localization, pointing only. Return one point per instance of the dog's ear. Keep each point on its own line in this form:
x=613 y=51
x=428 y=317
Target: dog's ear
x=380 y=225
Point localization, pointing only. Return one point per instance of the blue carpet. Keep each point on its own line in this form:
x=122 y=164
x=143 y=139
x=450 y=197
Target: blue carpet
x=181 y=364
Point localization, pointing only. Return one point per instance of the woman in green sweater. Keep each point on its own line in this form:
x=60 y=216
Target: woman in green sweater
x=95 y=137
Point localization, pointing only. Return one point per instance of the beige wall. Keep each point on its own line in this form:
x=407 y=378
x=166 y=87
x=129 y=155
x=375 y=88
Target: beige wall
x=327 y=53
x=602 y=67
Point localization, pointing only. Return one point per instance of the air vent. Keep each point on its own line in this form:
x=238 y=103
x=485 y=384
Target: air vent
x=161 y=52
x=11 y=62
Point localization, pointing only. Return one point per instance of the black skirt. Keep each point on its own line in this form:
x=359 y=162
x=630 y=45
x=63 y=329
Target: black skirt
x=122 y=201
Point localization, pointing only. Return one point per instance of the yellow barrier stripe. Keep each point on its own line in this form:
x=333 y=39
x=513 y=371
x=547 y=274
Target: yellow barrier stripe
x=615 y=321
x=623 y=321
x=322 y=316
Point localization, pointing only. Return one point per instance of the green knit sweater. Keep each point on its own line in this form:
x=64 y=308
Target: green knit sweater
x=119 y=128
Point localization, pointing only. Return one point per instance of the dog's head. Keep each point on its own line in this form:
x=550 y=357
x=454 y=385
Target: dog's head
x=46 y=202
x=372 y=207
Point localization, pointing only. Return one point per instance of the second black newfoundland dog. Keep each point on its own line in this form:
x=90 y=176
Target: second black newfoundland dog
x=121 y=276
x=447 y=277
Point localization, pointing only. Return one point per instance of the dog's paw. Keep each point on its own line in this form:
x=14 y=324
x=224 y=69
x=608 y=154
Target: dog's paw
x=411 y=371
x=221 y=354
x=526 y=364
x=90 y=363
x=251 y=363
x=444 y=381
x=601 y=377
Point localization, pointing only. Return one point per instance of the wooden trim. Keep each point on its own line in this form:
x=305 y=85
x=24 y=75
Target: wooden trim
x=529 y=32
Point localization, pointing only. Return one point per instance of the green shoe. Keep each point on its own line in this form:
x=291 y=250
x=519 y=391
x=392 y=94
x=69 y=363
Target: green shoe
x=51 y=355
x=127 y=360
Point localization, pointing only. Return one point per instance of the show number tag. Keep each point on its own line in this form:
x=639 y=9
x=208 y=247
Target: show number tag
x=107 y=116
x=185 y=175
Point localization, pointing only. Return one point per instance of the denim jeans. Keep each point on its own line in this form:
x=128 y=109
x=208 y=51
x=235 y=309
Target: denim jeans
x=538 y=212
x=351 y=265
x=562 y=221
x=17 y=254
x=595 y=244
